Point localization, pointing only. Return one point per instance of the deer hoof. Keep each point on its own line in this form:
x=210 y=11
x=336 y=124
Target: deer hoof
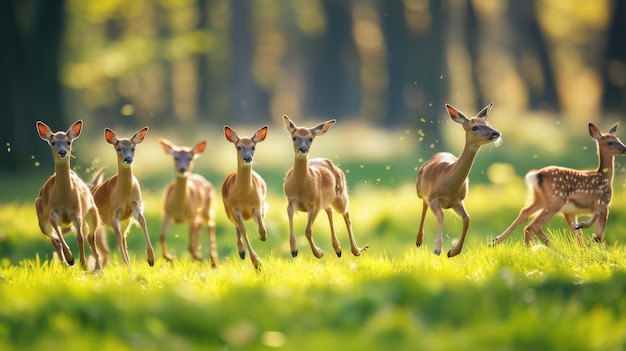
x=338 y=254
x=294 y=253
x=596 y=239
x=151 y=263
x=70 y=262
x=242 y=255
x=579 y=225
x=451 y=253
x=437 y=252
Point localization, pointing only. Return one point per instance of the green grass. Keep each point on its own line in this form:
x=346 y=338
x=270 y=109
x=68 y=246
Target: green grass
x=394 y=297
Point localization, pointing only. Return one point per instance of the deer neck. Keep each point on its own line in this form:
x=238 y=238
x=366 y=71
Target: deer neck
x=180 y=189
x=301 y=170
x=124 y=176
x=605 y=166
x=63 y=182
x=461 y=168
x=243 y=179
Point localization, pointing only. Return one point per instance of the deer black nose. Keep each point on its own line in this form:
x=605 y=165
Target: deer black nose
x=62 y=153
x=303 y=150
x=182 y=170
x=247 y=159
x=496 y=134
x=128 y=160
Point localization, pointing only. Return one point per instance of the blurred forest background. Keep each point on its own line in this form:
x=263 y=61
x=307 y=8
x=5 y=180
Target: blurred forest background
x=388 y=63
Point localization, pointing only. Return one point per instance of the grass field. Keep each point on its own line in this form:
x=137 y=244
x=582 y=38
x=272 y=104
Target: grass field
x=394 y=297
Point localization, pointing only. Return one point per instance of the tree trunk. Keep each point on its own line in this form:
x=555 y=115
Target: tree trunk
x=29 y=80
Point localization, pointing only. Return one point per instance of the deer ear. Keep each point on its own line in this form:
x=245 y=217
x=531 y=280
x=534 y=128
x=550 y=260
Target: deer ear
x=455 y=114
x=167 y=146
x=322 y=128
x=138 y=137
x=43 y=130
x=260 y=135
x=594 y=132
x=75 y=128
x=484 y=113
x=230 y=134
x=199 y=148
x=613 y=130
x=291 y=127
x=110 y=136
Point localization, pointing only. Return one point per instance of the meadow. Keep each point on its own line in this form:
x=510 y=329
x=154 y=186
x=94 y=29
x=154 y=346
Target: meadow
x=395 y=296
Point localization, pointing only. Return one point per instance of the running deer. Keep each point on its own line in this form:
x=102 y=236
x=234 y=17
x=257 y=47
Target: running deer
x=119 y=198
x=64 y=200
x=243 y=191
x=190 y=198
x=442 y=180
x=314 y=185
x=572 y=192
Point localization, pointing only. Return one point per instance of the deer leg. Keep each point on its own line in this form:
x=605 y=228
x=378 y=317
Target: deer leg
x=572 y=221
x=460 y=210
x=91 y=237
x=194 y=239
x=600 y=226
x=436 y=208
x=356 y=251
x=521 y=218
x=420 y=231
x=317 y=252
x=333 y=235
x=241 y=228
x=292 y=238
x=588 y=222
x=142 y=222
x=56 y=243
x=61 y=245
x=536 y=225
x=121 y=241
x=102 y=245
x=52 y=233
x=212 y=242
x=80 y=239
x=164 y=226
x=240 y=248
x=258 y=218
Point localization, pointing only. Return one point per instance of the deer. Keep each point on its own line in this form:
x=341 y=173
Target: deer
x=442 y=181
x=315 y=184
x=189 y=199
x=571 y=192
x=244 y=191
x=119 y=197
x=64 y=201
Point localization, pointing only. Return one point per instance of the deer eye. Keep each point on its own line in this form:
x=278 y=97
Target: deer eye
x=119 y=149
x=310 y=140
x=253 y=148
x=610 y=143
x=475 y=128
x=294 y=138
x=69 y=143
x=133 y=149
x=53 y=143
x=238 y=148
